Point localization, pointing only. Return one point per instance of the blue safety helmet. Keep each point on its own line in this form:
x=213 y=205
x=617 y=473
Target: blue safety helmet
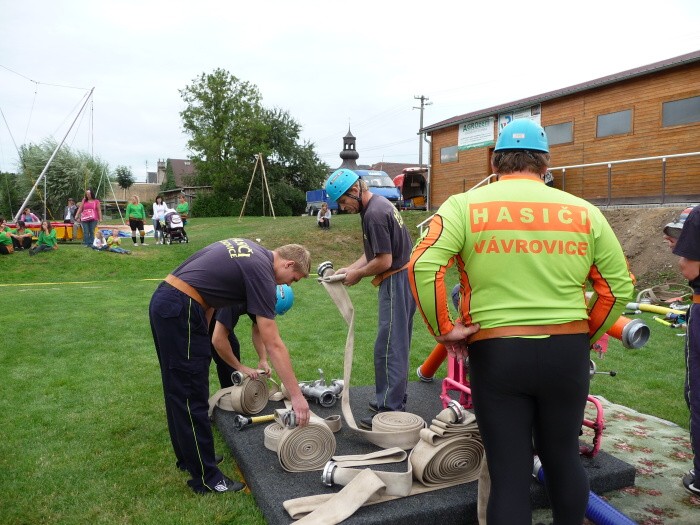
x=339 y=182
x=522 y=133
x=285 y=299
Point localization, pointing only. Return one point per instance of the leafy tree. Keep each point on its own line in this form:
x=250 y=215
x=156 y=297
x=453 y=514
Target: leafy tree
x=125 y=178
x=69 y=175
x=10 y=197
x=228 y=127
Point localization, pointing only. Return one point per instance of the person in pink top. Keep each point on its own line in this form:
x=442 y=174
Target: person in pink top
x=90 y=216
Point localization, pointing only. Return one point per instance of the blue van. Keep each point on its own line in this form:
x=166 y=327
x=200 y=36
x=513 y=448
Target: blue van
x=380 y=184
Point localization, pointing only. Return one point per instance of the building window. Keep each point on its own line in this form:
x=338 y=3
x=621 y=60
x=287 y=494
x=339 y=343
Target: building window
x=560 y=133
x=617 y=123
x=448 y=154
x=685 y=111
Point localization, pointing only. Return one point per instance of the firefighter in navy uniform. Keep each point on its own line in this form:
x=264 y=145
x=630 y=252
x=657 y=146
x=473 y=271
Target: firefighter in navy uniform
x=525 y=252
x=226 y=349
x=226 y=273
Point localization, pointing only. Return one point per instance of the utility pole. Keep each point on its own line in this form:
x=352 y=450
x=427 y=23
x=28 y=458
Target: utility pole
x=423 y=102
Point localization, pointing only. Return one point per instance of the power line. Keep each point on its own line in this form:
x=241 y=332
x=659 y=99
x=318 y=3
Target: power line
x=39 y=82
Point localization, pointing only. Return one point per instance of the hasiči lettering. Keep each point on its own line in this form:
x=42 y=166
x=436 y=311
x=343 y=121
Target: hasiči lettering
x=531 y=216
x=237 y=248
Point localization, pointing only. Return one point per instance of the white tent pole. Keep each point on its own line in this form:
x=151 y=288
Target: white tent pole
x=43 y=172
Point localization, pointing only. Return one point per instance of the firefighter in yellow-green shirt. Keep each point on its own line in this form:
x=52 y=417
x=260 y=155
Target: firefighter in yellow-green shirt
x=525 y=252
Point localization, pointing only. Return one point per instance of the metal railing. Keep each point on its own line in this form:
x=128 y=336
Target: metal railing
x=487 y=180
x=610 y=164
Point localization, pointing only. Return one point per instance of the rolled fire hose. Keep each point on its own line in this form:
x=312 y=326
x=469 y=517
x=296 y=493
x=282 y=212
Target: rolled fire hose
x=397 y=429
x=449 y=452
x=302 y=449
x=247 y=396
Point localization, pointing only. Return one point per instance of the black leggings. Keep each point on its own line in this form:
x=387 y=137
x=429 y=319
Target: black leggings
x=525 y=389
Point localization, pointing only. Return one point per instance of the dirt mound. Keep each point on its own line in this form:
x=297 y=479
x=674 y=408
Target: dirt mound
x=640 y=233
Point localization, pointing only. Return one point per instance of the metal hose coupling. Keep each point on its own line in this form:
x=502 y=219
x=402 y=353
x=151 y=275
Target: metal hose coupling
x=289 y=419
x=327 y=475
x=633 y=333
x=324 y=267
x=326 y=395
x=457 y=409
x=237 y=378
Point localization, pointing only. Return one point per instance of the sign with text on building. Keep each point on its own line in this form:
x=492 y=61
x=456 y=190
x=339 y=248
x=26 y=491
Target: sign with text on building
x=476 y=134
x=531 y=112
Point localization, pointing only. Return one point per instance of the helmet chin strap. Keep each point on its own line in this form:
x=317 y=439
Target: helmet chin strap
x=358 y=199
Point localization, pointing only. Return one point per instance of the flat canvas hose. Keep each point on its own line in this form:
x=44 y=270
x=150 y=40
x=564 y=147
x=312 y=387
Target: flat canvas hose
x=389 y=429
x=449 y=452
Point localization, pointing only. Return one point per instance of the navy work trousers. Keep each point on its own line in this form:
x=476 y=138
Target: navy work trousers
x=692 y=381
x=393 y=343
x=181 y=338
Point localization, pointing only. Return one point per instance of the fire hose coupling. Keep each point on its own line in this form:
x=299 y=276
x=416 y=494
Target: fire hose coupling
x=324 y=267
x=327 y=475
x=236 y=378
x=289 y=419
x=325 y=395
x=457 y=410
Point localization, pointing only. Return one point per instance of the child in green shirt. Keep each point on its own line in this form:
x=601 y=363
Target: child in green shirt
x=5 y=238
x=46 y=240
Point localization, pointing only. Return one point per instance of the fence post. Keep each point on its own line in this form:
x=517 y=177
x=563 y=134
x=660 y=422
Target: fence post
x=563 y=179
x=663 y=180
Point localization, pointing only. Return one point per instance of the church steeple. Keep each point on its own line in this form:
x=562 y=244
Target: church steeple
x=349 y=154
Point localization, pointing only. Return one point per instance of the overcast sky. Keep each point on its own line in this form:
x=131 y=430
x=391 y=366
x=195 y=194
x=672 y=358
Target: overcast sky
x=329 y=64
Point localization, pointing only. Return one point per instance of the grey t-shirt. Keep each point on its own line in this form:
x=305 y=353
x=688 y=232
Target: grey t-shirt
x=383 y=231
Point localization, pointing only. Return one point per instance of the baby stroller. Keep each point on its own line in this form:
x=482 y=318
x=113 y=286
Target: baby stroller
x=173 y=228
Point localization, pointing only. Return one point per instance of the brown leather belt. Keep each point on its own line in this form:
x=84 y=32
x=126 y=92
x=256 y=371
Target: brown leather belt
x=381 y=276
x=187 y=289
x=573 y=327
x=696 y=298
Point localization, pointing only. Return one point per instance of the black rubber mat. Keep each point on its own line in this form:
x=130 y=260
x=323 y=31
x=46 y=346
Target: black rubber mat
x=271 y=485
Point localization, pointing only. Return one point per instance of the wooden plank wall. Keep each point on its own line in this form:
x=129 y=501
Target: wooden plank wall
x=631 y=182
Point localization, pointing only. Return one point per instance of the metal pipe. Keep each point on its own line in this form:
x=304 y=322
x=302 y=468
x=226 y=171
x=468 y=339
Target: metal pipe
x=43 y=172
x=663 y=180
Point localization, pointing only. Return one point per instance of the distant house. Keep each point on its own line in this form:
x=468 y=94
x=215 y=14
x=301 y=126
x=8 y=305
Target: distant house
x=183 y=171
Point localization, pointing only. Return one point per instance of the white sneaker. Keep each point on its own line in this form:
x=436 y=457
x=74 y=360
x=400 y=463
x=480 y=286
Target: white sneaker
x=144 y=244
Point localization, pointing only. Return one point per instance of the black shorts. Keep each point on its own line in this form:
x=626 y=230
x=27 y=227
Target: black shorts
x=136 y=224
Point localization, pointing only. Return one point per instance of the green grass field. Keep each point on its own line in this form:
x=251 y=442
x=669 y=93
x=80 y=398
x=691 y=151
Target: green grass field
x=83 y=437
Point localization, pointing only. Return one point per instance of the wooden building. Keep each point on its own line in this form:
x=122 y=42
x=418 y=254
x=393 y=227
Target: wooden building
x=628 y=138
